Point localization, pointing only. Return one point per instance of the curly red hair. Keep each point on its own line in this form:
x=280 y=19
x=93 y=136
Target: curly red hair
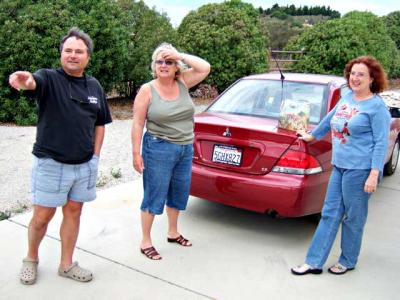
x=376 y=71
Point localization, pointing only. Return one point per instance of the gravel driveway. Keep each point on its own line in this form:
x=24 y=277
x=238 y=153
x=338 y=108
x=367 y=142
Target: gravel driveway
x=16 y=161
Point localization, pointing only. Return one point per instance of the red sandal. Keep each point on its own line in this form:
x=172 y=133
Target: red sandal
x=181 y=241
x=151 y=253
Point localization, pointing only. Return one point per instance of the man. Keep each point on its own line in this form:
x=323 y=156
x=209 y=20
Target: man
x=70 y=131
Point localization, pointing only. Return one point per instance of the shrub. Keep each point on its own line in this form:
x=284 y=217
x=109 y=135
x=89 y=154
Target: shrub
x=147 y=29
x=330 y=45
x=229 y=37
x=30 y=33
x=116 y=172
x=392 y=22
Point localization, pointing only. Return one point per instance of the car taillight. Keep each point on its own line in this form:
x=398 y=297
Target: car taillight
x=297 y=162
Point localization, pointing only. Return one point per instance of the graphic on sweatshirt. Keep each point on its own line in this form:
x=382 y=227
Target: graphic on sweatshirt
x=340 y=122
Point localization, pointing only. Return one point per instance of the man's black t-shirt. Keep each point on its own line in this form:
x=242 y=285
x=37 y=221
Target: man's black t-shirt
x=69 y=109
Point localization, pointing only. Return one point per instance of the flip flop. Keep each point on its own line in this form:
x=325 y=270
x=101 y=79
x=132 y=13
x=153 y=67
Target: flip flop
x=339 y=269
x=77 y=273
x=181 y=241
x=28 y=274
x=305 y=269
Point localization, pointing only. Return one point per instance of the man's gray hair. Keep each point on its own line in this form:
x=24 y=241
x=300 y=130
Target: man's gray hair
x=80 y=35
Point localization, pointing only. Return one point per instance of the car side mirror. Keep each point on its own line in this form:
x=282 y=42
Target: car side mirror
x=394 y=112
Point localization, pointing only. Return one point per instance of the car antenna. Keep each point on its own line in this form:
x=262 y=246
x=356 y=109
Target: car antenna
x=280 y=71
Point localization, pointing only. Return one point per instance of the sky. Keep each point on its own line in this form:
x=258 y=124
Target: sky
x=178 y=9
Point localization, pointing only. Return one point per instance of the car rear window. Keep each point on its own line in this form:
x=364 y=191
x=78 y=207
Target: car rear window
x=263 y=98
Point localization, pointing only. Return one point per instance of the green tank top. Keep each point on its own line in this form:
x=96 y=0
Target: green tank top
x=171 y=120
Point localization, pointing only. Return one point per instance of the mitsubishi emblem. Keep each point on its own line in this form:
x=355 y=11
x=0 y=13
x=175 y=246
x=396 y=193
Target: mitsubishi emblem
x=227 y=132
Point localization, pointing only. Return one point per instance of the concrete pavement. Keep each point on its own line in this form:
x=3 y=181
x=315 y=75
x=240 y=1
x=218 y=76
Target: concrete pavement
x=236 y=254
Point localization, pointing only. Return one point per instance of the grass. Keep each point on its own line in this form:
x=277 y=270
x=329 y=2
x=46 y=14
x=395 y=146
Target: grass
x=4 y=215
x=116 y=172
x=101 y=179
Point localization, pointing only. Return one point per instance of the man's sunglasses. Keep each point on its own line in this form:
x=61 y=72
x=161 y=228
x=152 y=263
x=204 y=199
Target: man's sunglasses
x=166 y=62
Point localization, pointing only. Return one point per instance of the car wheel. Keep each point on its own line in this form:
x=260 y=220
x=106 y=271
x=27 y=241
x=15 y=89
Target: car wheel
x=390 y=166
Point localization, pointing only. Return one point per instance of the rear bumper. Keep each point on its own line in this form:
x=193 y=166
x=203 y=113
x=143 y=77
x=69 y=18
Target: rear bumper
x=288 y=195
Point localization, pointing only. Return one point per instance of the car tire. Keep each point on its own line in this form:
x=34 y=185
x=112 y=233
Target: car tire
x=390 y=166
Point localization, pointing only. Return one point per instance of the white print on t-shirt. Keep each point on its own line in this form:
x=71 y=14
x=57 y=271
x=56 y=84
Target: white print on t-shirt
x=92 y=99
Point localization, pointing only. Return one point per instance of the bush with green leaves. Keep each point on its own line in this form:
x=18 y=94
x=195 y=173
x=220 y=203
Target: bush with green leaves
x=392 y=22
x=27 y=42
x=229 y=37
x=330 y=45
x=116 y=172
x=147 y=29
x=279 y=31
x=103 y=21
x=30 y=33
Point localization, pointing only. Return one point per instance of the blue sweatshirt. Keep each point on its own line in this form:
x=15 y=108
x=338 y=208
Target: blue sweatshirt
x=360 y=132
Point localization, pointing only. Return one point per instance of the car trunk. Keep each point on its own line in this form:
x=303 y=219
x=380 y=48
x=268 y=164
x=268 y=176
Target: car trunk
x=238 y=143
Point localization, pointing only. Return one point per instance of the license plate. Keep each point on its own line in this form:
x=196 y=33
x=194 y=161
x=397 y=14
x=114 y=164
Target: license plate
x=227 y=155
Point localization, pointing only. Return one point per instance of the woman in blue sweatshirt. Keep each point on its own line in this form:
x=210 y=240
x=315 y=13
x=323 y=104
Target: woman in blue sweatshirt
x=359 y=126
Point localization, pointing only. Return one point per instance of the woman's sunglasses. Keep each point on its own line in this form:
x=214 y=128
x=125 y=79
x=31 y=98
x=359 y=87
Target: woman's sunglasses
x=166 y=62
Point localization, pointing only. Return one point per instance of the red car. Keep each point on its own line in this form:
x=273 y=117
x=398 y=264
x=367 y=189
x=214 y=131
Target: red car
x=243 y=159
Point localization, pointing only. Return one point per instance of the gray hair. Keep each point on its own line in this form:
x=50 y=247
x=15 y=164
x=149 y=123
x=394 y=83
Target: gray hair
x=161 y=47
x=80 y=35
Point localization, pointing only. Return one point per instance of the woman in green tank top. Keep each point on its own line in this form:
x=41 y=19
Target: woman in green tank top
x=165 y=106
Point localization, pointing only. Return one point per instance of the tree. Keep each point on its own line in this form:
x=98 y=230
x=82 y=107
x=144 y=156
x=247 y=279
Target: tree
x=102 y=20
x=279 y=11
x=228 y=35
x=392 y=22
x=30 y=33
x=330 y=45
x=27 y=42
x=147 y=29
x=280 y=31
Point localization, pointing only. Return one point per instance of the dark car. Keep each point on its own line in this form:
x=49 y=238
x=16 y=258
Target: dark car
x=242 y=158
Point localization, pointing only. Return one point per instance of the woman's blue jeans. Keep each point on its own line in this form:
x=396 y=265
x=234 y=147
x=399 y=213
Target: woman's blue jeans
x=346 y=203
x=167 y=174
